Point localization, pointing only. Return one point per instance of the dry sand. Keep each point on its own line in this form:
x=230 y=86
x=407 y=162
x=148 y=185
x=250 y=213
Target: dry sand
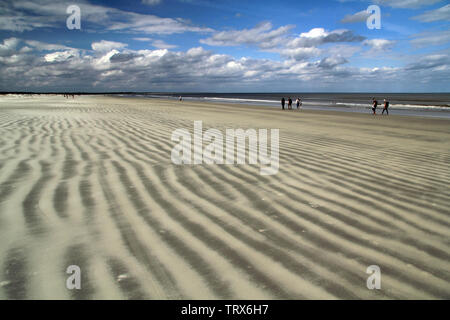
x=90 y=182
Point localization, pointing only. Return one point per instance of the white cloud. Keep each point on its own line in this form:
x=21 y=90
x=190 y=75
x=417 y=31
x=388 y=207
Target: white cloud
x=343 y=50
x=331 y=62
x=42 y=46
x=318 y=36
x=441 y=14
x=299 y=48
x=263 y=36
x=380 y=44
x=104 y=61
x=150 y=24
x=357 y=17
x=160 y=44
x=143 y=39
x=26 y=15
x=314 y=33
x=104 y=45
x=300 y=54
x=430 y=62
x=197 y=52
x=60 y=56
x=21 y=23
x=431 y=38
x=9 y=46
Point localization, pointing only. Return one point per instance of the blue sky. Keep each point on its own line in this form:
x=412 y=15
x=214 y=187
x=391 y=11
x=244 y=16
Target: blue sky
x=226 y=46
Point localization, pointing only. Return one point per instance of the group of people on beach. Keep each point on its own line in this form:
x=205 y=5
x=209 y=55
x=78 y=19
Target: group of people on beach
x=68 y=95
x=375 y=105
x=283 y=103
x=299 y=103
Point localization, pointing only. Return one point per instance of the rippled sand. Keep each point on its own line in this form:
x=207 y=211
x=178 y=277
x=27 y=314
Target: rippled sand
x=89 y=182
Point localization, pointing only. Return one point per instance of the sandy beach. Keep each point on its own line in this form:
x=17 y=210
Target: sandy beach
x=90 y=182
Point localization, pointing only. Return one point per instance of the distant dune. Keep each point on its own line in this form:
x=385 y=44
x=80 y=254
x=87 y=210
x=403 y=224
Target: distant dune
x=89 y=182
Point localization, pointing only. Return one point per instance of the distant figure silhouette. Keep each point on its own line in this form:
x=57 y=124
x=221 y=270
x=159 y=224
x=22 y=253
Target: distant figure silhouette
x=290 y=104
x=299 y=103
x=374 y=106
x=386 y=106
x=283 y=102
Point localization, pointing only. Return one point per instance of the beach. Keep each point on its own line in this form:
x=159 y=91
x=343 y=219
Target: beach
x=90 y=182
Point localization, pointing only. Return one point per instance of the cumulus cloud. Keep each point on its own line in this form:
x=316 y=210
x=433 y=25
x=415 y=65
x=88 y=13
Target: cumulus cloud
x=115 y=67
x=312 y=58
x=60 y=56
x=441 y=14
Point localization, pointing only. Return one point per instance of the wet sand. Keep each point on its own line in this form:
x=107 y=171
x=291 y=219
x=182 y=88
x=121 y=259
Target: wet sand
x=89 y=182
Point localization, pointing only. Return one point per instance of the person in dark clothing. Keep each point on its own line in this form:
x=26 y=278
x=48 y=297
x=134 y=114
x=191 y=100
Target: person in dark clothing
x=374 y=106
x=290 y=104
x=386 y=106
x=299 y=103
x=282 y=103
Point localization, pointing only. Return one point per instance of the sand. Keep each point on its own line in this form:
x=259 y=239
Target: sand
x=89 y=182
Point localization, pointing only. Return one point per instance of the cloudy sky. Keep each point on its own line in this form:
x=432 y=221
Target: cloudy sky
x=225 y=46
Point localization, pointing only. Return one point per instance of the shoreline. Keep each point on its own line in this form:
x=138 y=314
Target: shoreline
x=417 y=110
x=443 y=113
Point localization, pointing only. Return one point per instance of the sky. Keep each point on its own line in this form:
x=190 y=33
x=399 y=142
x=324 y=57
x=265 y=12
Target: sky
x=225 y=46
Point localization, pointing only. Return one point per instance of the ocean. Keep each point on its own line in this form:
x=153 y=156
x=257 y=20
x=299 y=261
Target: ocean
x=414 y=104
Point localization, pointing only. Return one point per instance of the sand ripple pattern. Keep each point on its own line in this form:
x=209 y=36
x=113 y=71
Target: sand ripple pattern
x=89 y=182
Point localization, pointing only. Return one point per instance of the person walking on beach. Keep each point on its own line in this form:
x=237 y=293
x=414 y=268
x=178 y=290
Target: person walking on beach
x=290 y=104
x=299 y=103
x=374 y=106
x=283 y=101
x=386 y=106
